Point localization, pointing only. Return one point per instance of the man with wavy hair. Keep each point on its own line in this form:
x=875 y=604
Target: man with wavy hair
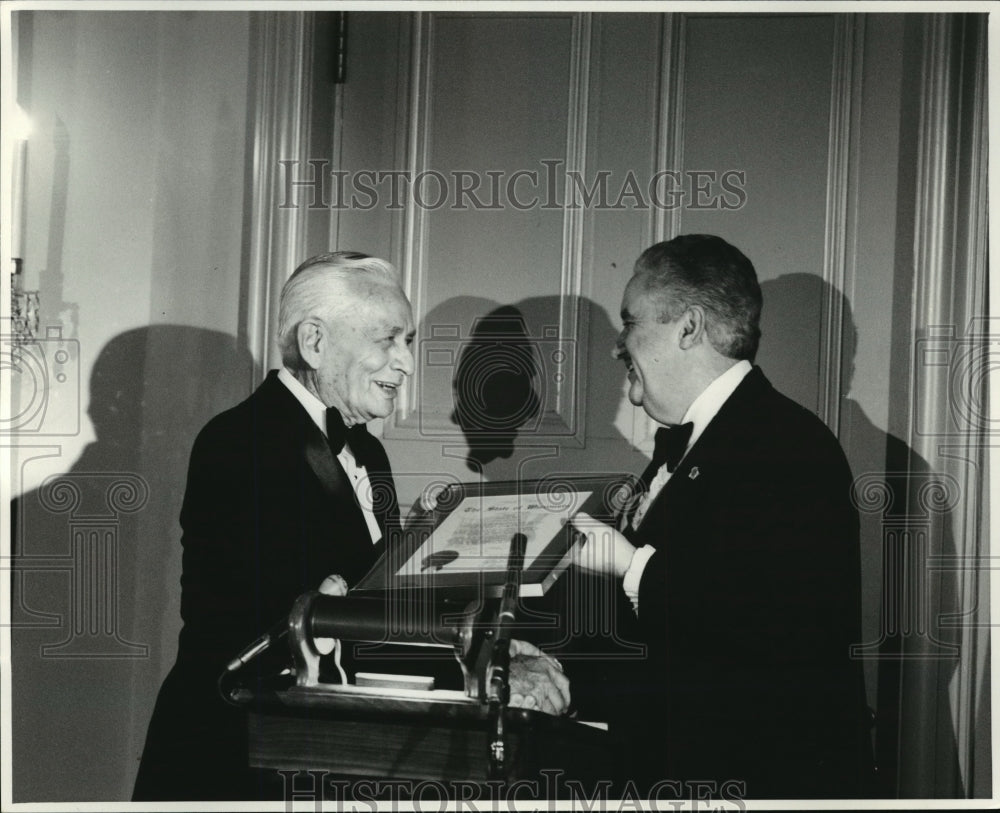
x=741 y=558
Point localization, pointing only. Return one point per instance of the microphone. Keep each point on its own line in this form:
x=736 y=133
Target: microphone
x=512 y=585
x=505 y=617
x=499 y=682
x=333 y=585
x=275 y=633
x=230 y=695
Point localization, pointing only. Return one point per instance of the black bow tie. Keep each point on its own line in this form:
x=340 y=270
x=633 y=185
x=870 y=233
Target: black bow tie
x=337 y=434
x=671 y=443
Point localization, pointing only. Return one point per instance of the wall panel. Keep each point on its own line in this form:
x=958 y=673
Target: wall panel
x=496 y=120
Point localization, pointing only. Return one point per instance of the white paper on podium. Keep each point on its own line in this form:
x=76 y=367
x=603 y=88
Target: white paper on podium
x=475 y=536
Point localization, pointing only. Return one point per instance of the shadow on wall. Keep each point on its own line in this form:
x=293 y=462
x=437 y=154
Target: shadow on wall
x=96 y=582
x=500 y=389
x=896 y=493
x=496 y=386
x=503 y=391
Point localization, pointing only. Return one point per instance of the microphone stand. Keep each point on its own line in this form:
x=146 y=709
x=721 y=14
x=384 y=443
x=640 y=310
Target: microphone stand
x=499 y=678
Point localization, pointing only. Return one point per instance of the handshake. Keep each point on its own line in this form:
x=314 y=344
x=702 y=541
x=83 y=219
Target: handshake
x=536 y=679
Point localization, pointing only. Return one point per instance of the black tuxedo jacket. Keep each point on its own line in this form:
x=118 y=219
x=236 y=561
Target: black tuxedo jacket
x=268 y=513
x=748 y=609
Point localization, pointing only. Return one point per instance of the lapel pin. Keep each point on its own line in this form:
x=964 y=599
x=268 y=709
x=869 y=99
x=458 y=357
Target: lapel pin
x=693 y=474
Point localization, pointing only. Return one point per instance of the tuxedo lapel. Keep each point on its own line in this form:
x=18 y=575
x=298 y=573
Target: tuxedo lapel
x=298 y=440
x=303 y=439
x=385 y=505
x=716 y=445
x=325 y=466
x=627 y=514
x=726 y=434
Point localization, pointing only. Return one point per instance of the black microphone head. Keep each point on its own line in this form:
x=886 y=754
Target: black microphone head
x=519 y=542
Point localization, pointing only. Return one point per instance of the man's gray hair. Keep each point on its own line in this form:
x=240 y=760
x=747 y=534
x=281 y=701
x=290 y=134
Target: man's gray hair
x=316 y=289
x=705 y=270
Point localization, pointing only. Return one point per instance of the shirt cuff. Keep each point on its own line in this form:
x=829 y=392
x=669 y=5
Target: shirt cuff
x=633 y=576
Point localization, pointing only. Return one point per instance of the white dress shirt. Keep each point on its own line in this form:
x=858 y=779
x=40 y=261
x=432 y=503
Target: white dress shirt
x=705 y=407
x=357 y=474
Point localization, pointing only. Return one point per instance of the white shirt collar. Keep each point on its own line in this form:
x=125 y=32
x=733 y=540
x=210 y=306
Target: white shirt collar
x=707 y=405
x=312 y=404
x=355 y=473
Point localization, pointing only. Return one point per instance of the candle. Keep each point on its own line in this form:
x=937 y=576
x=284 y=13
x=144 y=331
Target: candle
x=21 y=130
x=17 y=196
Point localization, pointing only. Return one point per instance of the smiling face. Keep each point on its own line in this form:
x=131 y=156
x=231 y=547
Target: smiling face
x=365 y=354
x=650 y=350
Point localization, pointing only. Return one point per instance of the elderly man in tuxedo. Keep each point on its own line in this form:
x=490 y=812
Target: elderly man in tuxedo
x=741 y=556
x=279 y=502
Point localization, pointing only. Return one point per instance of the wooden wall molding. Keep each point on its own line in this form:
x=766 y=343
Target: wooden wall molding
x=282 y=82
x=410 y=251
x=950 y=281
x=973 y=686
x=665 y=224
x=569 y=419
x=840 y=231
x=410 y=234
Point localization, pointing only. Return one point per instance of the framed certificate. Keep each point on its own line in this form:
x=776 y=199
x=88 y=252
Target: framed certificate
x=463 y=543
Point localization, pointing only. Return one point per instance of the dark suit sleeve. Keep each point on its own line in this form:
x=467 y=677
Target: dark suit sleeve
x=196 y=744
x=219 y=560
x=257 y=532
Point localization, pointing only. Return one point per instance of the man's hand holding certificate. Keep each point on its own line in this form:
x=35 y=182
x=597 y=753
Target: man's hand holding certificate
x=605 y=550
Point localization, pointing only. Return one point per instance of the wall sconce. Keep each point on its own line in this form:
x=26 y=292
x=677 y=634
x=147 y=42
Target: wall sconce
x=23 y=304
x=23 y=307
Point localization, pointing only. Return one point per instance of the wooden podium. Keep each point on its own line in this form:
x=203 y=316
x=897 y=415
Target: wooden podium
x=419 y=735
x=388 y=732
